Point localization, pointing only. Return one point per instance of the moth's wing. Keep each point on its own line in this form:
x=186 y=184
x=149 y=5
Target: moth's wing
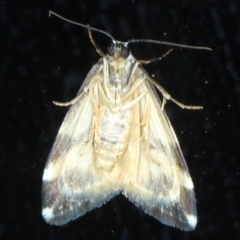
x=162 y=185
x=71 y=183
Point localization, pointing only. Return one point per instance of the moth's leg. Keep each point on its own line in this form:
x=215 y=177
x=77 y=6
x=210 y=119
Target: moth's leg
x=99 y=51
x=133 y=88
x=156 y=59
x=95 y=112
x=130 y=93
x=132 y=82
x=145 y=120
x=167 y=96
x=73 y=100
x=102 y=95
x=145 y=126
x=121 y=107
x=133 y=102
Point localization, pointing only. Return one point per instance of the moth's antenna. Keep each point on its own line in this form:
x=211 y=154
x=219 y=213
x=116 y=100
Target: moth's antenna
x=130 y=41
x=81 y=25
x=169 y=44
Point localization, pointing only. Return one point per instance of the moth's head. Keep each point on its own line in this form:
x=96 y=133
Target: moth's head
x=118 y=50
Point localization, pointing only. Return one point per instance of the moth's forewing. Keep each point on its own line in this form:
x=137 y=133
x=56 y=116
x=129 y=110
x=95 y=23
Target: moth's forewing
x=163 y=187
x=70 y=169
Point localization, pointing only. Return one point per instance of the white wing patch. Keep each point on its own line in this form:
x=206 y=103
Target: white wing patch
x=48 y=214
x=188 y=182
x=50 y=173
x=192 y=220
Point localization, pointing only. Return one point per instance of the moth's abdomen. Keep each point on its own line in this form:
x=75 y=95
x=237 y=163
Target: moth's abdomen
x=111 y=136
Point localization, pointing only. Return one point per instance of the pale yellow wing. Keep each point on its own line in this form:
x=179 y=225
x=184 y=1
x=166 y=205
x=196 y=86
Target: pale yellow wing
x=71 y=184
x=161 y=185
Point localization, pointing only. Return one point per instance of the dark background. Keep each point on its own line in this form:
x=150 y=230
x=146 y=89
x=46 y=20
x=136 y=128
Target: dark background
x=45 y=59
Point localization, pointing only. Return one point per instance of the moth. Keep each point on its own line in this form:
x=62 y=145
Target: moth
x=116 y=138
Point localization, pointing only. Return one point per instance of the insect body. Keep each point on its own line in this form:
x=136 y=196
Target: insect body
x=116 y=138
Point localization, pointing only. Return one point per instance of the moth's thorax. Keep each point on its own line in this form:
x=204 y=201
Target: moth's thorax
x=120 y=69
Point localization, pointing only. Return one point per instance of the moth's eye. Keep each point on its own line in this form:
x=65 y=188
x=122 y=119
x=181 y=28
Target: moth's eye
x=110 y=50
x=124 y=52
